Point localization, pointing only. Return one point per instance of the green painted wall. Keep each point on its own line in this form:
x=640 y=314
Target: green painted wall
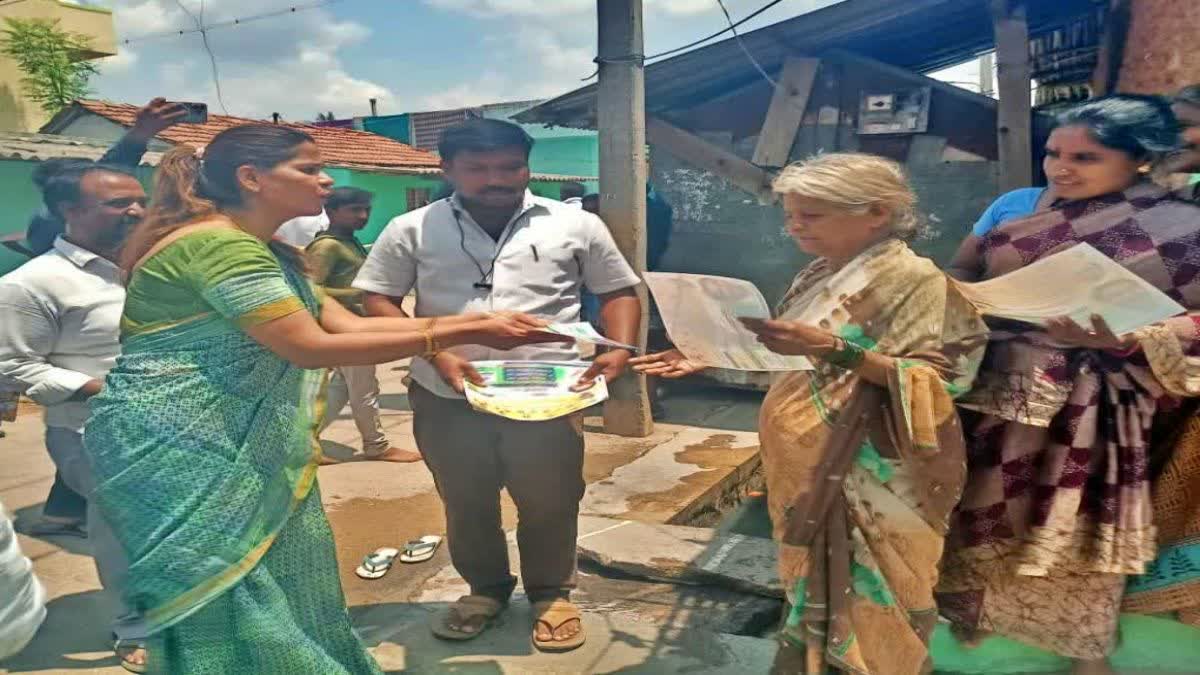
x=21 y=200
x=567 y=156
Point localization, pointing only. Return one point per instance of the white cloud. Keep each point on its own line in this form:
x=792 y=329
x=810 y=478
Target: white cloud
x=288 y=64
x=531 y=8
x=123 y=62
x=561 y=62
x=559 y=8
x=683 y=7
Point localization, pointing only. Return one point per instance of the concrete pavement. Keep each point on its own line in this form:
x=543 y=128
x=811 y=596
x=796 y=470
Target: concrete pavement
x=681 y=474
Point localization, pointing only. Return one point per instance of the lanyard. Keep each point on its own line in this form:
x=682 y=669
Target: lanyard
x=485 y=276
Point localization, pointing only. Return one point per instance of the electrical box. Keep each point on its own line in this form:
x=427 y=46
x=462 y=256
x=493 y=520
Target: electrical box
x=904 y=111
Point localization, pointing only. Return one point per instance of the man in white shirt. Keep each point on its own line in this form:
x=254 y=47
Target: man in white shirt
x=493 y=246
x=59 y=328
x=300 y=232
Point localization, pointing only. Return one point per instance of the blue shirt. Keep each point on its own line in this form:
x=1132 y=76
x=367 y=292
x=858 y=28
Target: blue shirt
x=1009 y=206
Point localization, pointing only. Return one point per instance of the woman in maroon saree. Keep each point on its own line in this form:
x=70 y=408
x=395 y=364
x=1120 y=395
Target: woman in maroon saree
x=1057 y=508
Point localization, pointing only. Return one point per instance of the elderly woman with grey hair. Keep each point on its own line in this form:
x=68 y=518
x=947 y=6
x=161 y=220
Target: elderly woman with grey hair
x=863 y=454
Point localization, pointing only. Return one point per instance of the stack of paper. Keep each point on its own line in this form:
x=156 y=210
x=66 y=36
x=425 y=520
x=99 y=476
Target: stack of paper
x=533 y=391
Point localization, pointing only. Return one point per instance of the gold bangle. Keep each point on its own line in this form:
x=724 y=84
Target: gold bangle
x=431 y=343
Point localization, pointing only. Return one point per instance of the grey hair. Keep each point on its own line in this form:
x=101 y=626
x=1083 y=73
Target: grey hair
x=855 y=182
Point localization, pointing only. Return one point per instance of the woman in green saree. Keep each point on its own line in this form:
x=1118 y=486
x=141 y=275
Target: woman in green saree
x=203 y=440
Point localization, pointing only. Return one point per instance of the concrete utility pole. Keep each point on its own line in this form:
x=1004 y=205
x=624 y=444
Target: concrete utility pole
x=621 y=119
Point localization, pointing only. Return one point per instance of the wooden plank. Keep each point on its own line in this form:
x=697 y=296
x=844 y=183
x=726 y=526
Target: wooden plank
x=786 y=112
x=1014 y=120
x=1112 y=48
x=704 y=155
x=620 y=117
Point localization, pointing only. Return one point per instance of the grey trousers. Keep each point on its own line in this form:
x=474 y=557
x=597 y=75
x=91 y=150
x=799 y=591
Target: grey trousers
x=112 y=565
x=358 y=386
x=472 y=456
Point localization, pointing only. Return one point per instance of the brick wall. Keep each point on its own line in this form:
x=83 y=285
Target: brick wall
x=1161 y=51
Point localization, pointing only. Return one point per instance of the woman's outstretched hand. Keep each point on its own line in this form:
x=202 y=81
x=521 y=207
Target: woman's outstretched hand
x=671 y=364
x=514 y=329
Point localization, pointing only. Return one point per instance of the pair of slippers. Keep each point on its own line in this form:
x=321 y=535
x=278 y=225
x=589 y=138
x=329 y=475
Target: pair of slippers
x=378 y=562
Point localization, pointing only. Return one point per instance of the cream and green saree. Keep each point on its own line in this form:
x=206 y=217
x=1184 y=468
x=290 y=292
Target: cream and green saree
x=205 y=456
x=862 y=479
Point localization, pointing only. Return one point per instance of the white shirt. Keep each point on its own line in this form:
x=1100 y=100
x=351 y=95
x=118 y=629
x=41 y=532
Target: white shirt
x=60 y=317
x=543 y=257
x=300 y=232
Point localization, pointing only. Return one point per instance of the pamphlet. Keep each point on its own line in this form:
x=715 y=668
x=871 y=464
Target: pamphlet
x=584 y=332
x=1078 y=282
x=702 y=315
x=533 y=391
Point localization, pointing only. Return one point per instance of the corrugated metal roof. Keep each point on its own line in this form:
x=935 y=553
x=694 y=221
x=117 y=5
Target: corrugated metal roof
x=41 y=147
x=917 y=35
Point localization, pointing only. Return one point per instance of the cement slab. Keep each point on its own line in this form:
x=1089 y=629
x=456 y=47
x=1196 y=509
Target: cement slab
x=676 y=479
x=679 y=554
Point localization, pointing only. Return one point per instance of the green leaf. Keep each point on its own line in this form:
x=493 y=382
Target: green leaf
x=55 y=72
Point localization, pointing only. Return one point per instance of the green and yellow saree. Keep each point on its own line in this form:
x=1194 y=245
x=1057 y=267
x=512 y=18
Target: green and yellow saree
x=205 y=456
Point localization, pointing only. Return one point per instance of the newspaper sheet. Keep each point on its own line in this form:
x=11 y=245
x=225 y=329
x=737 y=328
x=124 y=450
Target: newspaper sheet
x=533 y=391
x=1077 y=282
x=701 y=315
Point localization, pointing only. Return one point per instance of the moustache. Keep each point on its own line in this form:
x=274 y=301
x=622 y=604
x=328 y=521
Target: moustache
x=498 y=191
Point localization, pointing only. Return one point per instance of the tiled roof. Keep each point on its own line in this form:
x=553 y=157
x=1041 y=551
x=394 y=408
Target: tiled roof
x=338 y=146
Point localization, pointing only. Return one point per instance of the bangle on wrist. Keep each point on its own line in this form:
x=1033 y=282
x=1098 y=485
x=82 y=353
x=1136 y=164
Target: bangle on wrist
x=845 y=355
x=431 y=344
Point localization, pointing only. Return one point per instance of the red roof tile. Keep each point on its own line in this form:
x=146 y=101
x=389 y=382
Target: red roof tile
x=338 y=146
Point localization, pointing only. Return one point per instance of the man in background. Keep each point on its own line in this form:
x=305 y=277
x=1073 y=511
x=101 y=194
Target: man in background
x=152 y=119
x=59 y=333
x=334 y=258
x=572 y=193
x=300 y=232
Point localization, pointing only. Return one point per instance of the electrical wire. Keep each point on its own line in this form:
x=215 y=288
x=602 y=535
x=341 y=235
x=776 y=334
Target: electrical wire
x=212 y=57
x=732 y=28
x=695 y=43
x=745 y=50
x=228 y=23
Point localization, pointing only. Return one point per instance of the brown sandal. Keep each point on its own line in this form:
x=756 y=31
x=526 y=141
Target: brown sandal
x=467 y=609
x=553 y=614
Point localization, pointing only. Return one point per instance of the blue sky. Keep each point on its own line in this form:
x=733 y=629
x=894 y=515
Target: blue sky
x=410 y=54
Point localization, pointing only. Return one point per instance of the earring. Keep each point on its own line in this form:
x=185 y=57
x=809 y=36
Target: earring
x=1144 y=169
